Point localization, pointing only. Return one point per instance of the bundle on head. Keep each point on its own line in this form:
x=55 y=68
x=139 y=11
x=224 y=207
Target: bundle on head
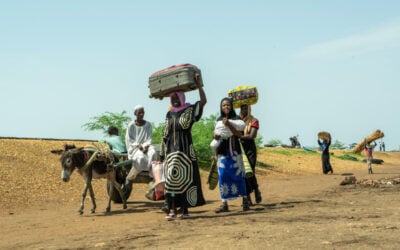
x=323 y=135
x=377 y=134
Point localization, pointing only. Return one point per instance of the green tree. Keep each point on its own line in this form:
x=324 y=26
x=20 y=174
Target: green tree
x=337 y=145
x=275 y=142
x=103 y=121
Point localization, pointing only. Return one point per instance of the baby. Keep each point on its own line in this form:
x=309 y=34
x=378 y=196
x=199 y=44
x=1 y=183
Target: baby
x=224 y=132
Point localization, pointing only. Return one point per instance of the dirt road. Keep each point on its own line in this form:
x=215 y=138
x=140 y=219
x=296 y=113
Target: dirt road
x=302 y=212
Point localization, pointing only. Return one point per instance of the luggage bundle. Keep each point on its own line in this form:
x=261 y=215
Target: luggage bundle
x=323 y=135
x=377 y=134
x=175 y=78
x=243 y=95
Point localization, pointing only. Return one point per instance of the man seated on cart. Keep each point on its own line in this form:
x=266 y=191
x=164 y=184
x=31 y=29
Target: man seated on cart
x=138 y=141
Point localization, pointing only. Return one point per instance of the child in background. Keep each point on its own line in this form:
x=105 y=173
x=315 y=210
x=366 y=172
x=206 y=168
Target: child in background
x=117 y=145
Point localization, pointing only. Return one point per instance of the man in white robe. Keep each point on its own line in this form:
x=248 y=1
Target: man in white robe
x=138 y=143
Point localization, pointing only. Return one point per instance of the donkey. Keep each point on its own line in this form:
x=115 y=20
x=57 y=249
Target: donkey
x=90 y=164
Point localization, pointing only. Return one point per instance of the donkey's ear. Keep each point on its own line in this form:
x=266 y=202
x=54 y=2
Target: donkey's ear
x=57 y=151
x=69 y=146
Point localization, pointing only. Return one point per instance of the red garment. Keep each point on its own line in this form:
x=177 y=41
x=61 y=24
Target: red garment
x=255 y=124
x=368 y=152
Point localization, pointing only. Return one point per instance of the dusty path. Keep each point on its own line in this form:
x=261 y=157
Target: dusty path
x=298 y=212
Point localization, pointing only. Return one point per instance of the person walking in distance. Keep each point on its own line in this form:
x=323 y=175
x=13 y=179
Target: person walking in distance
x=369 y=150
x=326 y=163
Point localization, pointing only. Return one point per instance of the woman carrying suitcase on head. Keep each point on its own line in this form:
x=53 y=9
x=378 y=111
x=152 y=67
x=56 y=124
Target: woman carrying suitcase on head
x=183 y=183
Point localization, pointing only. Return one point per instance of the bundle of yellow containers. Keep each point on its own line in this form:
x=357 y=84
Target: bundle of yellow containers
x=243 y=95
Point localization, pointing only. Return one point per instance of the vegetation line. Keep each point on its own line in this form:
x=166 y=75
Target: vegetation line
x=44 y=139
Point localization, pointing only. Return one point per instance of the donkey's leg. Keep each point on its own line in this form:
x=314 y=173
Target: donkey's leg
x=110 y=193
x=118 y=187
x=89 y=184
x=93 y=210
x=83 y=199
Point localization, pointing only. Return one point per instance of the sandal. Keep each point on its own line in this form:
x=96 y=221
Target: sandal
x=222 y=208
x=246 y=205
x=170 y=216
x=184 y=216
x=258 y=196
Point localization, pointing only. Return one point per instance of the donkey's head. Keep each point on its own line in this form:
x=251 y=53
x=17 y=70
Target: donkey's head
x=71 y=158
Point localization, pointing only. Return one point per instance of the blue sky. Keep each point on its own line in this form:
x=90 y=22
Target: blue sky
x=318 y=65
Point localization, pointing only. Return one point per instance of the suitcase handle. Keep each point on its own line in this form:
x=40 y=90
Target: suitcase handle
x=172 y=67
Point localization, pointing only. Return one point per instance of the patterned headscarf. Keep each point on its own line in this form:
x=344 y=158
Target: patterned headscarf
x=182 y=100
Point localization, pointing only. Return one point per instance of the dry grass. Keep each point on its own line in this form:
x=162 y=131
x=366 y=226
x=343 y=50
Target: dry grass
x=284 y=161
x=30 y=174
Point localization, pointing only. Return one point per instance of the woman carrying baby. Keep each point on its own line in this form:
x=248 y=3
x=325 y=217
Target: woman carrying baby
x=231 y=170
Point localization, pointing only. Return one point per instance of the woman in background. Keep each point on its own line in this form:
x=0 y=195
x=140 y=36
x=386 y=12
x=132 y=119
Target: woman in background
x=250 y=149
x=326 y=164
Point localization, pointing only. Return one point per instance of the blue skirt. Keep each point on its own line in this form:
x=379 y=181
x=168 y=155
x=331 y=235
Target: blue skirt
x=232 y=183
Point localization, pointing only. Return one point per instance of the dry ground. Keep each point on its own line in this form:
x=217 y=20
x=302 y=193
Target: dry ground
x=301 y=208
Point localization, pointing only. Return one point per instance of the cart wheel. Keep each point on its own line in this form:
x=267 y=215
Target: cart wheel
x=120 y=176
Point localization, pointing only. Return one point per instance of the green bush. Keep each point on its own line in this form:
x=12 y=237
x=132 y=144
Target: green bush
x=275 y=142
x=103 y=121
x=202 y=133
x=157 y=133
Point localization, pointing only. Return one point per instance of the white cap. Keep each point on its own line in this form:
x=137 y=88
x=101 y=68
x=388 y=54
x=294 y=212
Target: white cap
x=138 y=107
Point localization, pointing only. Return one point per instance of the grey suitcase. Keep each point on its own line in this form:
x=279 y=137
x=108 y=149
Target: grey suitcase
x=175 y=78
